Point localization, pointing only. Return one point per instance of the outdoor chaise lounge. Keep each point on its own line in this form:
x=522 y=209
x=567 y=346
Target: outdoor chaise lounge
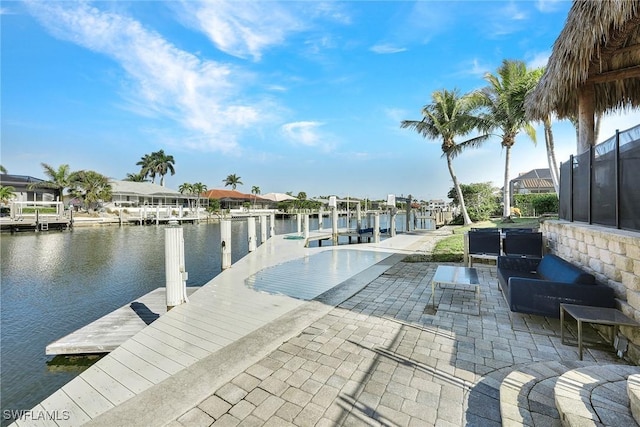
x=538 y=286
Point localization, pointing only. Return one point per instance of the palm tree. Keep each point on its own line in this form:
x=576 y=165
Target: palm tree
x=147 y=169
x=6 y=193
x=91 y=187
x=187 y=189
x=448 y=116
x=198 y=189
x=156 y=163
x=163 y=164
x=551 y=154
x=232 y=180
x=255 y=190
x=135 y=177
x=504 y=100
x=59 y=179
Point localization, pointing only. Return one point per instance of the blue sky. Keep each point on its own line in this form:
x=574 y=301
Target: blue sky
x=290 y=96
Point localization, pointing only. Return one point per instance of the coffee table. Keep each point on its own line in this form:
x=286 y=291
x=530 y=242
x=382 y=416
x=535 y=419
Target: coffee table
x=451 y=275
x=596 y=315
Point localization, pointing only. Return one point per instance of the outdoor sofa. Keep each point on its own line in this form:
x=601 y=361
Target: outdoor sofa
x=539 y=285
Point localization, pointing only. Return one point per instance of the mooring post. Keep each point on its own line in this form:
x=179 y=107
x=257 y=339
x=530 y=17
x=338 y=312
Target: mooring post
x=408 y=219
x=263 y=229
x=392 y=225
x=225 y=242
x=157 y=214
x=376 y=227
x=251 y=233
x=175 y=273
x=334 y=226
x=298 y=222
x=272 y=224
x=305 y=224
x=320 y=218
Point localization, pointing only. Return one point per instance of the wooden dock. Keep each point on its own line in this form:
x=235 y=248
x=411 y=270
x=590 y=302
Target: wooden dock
x=276 y=279
x=33 y=223
x=110 y=331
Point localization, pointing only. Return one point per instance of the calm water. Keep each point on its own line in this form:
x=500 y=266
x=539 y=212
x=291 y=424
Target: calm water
x=53 y=283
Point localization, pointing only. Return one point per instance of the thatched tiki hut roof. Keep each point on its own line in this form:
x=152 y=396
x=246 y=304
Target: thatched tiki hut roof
x=594 y=66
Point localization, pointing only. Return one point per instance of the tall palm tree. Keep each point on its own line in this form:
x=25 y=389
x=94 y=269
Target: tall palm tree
x=551 y=154
x=59 y=179
x=187 y=189
x=232 y=180
x=449 y=116
x=163 y=164
x=147 y=169
x=504 y=100
x=255 y=190
x=198 y=189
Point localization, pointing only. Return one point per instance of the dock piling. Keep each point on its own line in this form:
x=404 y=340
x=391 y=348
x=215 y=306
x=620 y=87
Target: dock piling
x=175 y=273
x=251 y=232
x=263 y=229
x=225 y=242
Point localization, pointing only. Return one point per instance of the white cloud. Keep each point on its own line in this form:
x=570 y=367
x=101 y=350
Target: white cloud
x=163 y=81
x=474 y=68
x=242 y=28
x=386 y=49
x=303 y=133
x=549 y=5
x=538 y=60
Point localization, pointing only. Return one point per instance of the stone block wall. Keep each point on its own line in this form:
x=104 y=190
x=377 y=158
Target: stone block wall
x=612 y=255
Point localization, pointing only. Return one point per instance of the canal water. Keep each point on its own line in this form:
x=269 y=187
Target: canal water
x=53 y=283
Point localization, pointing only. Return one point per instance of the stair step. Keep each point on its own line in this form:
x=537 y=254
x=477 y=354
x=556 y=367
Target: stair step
x=595 y=395
x=526 y=393
x=633 y=391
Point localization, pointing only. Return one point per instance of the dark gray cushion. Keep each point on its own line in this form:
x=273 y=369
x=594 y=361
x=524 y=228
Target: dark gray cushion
x=554 y=268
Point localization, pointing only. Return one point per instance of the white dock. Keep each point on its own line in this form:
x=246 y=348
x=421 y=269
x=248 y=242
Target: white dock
x=276 y=279
x=110 y=331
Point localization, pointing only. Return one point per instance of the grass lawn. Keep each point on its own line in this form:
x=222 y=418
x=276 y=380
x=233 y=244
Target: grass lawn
x=451 y=249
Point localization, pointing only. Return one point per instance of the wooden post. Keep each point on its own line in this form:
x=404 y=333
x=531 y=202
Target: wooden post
x=157 y=214
x=175 y=273
x=408 y=219
x=306 y=226
x=376 y=227
x=225 y=242
x=334 y=226
x=298 y=223
x=358 y=217
x=586 y=120
x=272 y=224
x=392 y=224
x=263 y=229
x=320 y=218
x=251 y=232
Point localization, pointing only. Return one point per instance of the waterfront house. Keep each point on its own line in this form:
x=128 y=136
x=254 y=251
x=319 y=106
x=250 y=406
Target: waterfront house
x=138 y=194
x=23 y=192
x=232 y=199
x=536 y=181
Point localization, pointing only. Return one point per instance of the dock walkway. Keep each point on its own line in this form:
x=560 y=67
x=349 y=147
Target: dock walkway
x=275 y=280
x=111 y=330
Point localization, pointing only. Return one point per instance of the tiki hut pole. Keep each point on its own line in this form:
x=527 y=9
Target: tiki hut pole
x=586 y=120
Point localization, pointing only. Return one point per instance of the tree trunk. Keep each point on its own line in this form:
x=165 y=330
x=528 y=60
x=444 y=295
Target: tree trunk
x=551 y=154
x=506 y=193
x=586 y=121
x=463 y=208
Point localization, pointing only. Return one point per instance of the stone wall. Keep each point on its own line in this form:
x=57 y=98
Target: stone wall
x=612 y=255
